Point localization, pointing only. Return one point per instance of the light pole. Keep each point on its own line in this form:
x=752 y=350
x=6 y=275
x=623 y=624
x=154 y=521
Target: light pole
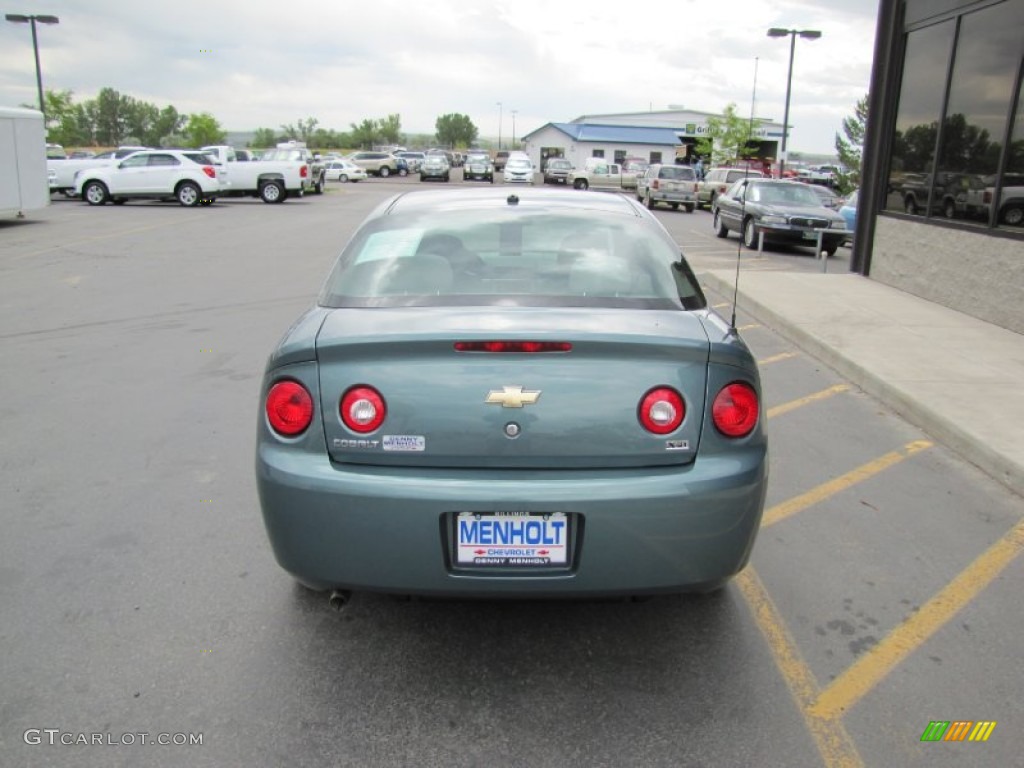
x=807 y=34
x=514 y=128
x=499 y=126
x=18 y=18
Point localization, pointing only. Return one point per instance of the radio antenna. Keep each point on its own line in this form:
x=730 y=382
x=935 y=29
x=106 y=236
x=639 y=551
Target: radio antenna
x=743 y=205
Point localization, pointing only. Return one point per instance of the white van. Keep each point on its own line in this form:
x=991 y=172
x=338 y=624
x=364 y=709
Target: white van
x=23 y=153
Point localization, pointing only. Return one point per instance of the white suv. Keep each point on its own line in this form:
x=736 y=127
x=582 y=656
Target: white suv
x=186 y=176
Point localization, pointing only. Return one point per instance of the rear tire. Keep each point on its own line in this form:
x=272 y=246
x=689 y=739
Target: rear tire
x=1013 y=214
x=384 y=172
x=675 y=206
x=95 y=193
x=689 y=209
x=403 y=172
x=343 y=178
x=318 y=188
x=649 y=202
x=188 y=194
x=910 y=206
x=272 y=192
x=720 y=229
x=581 y=184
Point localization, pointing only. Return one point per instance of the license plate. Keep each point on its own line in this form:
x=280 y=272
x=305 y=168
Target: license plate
x=810 y=235
x=512 y=540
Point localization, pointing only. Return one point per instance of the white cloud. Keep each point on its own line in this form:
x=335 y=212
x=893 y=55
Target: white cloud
x=342 y=62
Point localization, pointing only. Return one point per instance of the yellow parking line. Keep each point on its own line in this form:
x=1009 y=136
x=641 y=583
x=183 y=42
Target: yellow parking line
x=799 y=503
x=777 y=358
x=720 y=305
x=778 y=410
x=834 y=744
x=847 y=689
x=748 y=327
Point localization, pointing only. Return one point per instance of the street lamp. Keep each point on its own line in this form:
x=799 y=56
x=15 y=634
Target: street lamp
x=807 y=34
x=514 y=128
x=18 y=18
x=499 y=126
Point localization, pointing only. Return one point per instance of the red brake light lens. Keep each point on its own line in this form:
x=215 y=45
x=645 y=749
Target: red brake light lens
x=289 y=408
x=210 y=171
x=662 y=410
x=304 y=171
x=512 y=346
x=362 y=409
x=736 y=409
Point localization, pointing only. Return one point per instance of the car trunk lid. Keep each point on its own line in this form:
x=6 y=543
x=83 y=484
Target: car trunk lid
x=449 y=408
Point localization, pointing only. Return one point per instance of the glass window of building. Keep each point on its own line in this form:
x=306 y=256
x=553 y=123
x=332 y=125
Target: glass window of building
x=928 y=52
x=980 y=95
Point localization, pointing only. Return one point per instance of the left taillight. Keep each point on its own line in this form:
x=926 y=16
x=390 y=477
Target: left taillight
x=661 y=410
x=210 y=171
x=289 y=408
x=304 y=171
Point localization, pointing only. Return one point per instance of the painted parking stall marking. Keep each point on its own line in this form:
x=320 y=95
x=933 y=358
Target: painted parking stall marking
x=512 y=539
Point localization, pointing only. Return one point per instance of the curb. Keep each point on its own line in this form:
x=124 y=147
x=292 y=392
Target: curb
x=946 y=431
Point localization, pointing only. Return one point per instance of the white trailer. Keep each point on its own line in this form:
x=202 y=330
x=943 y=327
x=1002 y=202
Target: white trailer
x=23 y=180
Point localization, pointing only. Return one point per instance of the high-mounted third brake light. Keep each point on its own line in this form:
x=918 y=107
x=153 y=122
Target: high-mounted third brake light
x=512 y=346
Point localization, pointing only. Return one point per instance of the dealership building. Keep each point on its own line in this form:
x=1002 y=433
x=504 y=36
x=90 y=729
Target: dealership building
x=668 y=136
x=941 y=211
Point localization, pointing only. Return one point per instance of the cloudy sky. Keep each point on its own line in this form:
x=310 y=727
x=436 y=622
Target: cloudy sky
x=260 y=64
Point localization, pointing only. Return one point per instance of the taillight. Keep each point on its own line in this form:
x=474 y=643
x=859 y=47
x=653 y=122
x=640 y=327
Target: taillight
x=289 y=408
x=210 y=171
x=304 y=171
x=512 y=346
x=735 y=409
x=654 y=184
x=362 y=409
x=986 y=197
x=661 y=410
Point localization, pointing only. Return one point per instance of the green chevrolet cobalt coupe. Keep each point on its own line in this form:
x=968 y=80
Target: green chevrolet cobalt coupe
x=511 y=395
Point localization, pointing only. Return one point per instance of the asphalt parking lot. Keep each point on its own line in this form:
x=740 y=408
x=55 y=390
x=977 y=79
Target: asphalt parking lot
x=139 y=595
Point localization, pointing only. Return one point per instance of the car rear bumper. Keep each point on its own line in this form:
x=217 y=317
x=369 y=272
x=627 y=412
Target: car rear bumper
x=665 y=196
x=785 y=234
x=637 y=531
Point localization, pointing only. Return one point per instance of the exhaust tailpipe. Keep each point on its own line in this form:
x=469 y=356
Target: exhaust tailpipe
x=340 y=598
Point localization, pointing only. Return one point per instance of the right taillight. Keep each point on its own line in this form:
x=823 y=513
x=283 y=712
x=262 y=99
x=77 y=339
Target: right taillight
x=735 y=409
x=661 y=410
x=289 y=408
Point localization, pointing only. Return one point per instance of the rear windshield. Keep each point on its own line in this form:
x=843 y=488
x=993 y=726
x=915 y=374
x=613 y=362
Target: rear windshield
x=282 y=154
x=491 y=258
x=673 y=172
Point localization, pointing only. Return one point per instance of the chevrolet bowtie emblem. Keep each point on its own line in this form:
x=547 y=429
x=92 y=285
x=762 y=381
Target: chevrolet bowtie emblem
x=512 y=397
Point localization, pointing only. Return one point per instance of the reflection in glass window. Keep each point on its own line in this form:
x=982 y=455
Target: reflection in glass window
x=913 y=150
x=976 y=115
x=1011 y=199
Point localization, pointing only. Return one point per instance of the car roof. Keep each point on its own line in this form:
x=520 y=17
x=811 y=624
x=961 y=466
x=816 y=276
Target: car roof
x=527 y=199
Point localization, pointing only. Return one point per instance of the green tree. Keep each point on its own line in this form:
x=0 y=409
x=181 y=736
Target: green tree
x=390 y=129
x=302 y=130
x=169 y=122
x=62 y=120
x=455 y=130
x=111 y=117
x=140 y=120
x=203 y=129
x=365 y=134
x=263 y=138
x=173 y=141
x=851 y=148
x=730 y=137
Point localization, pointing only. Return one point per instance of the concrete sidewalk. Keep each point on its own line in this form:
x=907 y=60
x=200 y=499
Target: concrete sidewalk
x=956 y=377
